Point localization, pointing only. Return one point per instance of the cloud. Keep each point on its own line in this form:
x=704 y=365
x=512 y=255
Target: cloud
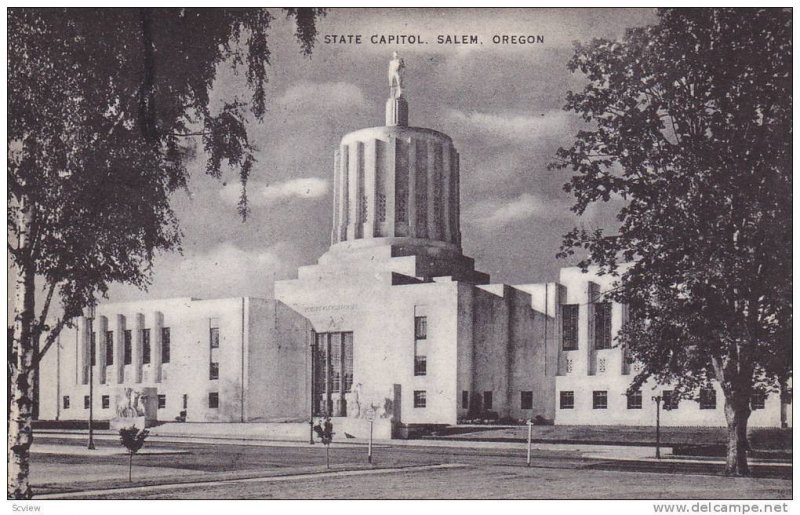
x=313 y=95
x=513 y=127
x=496 y=213
x=224 y=270
x=260 y=194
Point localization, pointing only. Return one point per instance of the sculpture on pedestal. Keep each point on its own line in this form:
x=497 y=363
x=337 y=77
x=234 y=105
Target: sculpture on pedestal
x=396 y=70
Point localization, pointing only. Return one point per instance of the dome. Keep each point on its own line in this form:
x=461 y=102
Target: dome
x=395 y=181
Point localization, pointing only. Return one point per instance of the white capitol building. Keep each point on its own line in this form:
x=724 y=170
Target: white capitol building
x=393 y=317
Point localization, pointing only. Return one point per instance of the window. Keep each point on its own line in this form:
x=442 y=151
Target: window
x=420 y=328
x=336 y=362
x=213 y=400
x=601 y=365
x=145 y=346
x=128 y=349
x=66 y=402
x=526 y=400
x=213 y=371
x=162 y=401
x=86 y=402
x=566 y=400
x=670 y=400
x=757 y=401
x=569 y=327
x=106 y=401
x=420 y=398
x=569 y=366
x=165 y=344
x=185 y=401
x=109 y=347
x=464 y=399
x=602 y=325
x=635 y=400
x=92 y=349
x=214 y=337
x=420 y=365
x=487 y=400
x=600 y=399
x=347 y=349
x=708 y=398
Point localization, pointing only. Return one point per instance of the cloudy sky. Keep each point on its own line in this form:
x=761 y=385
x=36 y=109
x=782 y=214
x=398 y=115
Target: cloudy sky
x=501 y=104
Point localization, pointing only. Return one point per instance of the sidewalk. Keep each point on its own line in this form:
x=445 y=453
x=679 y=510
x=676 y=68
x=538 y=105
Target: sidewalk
x=622 y=453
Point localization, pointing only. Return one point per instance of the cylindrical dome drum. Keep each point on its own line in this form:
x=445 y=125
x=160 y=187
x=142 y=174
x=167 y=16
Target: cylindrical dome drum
x=396 y=181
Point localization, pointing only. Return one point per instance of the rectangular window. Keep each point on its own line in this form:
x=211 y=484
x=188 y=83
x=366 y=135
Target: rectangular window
x=569 y=327
x=185 y=401
x=347 y=351
x=86 y=402
x=105 y=401
x=93 y=349
x=602 y=325
x=599 y=399
x=145 y=346
x=487 y=400
x=109 y=347
x=336 y=362
x=420 y=365
x=526 y=400
x=213 y=371
x=165 y=342
x=757 y=401
x=566 y=400
x=420 y=398
x=708 y=398
x=420 y=328
x=213 y=400
x=464 y=399
x=214 y=337
x=669 y=399
x=127 y=350
x=66 y=402
x=635 y=400
x=162 y=401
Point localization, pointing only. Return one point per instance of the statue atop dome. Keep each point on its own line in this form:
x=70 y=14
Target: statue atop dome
x=396 y=71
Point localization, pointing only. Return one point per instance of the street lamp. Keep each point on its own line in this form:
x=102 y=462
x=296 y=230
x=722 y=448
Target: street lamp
x=657 y=400
x=313 y=388
x=90 y=312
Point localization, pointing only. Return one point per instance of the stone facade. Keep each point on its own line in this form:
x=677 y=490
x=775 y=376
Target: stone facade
x=196 y=360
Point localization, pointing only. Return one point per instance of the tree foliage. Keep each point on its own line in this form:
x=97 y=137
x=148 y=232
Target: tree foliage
x=106 y=108
x=692 y=128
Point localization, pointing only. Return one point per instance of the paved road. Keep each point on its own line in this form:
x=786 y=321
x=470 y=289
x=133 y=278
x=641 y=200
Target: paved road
x=246 y=471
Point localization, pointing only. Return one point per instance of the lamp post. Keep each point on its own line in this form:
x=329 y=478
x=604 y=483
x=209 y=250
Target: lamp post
x=90 y=312
x=657 y=400
x=312 y=389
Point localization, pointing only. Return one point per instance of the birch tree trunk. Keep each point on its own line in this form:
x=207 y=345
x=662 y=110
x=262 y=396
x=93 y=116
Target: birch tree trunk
x=22 y=377
x=737 y=411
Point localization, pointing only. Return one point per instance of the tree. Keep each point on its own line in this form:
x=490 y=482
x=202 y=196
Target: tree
x=324 y=431
x=106 y=107
x=691 y=127
x=133 y=440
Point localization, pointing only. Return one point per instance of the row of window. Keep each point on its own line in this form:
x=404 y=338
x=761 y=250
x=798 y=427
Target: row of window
x=105 y=401
x=420 y=340
x=127 y=347
x=602 y=326
x=707 y=400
